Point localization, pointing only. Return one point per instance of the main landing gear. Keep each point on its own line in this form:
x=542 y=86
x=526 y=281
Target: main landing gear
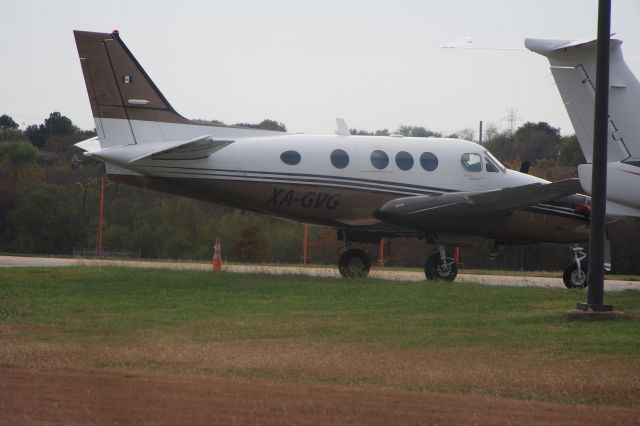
x=440 y=267
x=575 y=276
x=353 y=263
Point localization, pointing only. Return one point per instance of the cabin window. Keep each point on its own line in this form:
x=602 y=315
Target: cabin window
x=428 y=161
x=379 y=159
x=290 y=157
x=471 y=162
x=339 y=158
x=404 y=160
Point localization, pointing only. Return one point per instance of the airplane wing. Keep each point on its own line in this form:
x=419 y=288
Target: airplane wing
x=411 y=211
x=194 y=149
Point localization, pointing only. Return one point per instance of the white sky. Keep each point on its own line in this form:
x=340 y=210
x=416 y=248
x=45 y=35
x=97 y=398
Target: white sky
x=375 y=63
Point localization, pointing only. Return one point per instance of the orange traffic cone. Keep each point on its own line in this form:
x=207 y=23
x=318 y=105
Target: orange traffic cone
x=217 y=256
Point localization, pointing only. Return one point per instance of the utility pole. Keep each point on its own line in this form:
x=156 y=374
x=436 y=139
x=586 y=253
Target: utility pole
x=595 y=292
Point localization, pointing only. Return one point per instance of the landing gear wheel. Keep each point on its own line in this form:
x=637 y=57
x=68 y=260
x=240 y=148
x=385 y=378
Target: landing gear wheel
x=434 y=269
x=354 y=263
x=574 y=278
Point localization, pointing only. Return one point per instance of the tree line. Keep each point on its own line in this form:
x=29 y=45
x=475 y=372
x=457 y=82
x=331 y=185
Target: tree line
x=49 y=200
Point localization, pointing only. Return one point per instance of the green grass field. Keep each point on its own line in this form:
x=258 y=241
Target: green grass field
x=460 y=338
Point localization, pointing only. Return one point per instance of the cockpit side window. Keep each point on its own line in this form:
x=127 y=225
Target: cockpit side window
x=495 y=162
x=471 y=162
x=489 y=166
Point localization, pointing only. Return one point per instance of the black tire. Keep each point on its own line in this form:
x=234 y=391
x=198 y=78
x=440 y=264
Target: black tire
x=434 y=271
x=354 y=263
x=573 y=279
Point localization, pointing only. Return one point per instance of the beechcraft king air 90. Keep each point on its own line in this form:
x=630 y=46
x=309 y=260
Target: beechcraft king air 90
x=447 y=191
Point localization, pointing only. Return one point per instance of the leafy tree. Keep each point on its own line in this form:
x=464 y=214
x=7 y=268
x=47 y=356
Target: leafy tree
x=18 y=152
x=466 y=134
x=570 y=152
x=501 y=145
x=45 y=220
x=536 y=141
x=417 y=132
x=381 y=132
x=56 y=125
x=265 y=124
x=7 y=122
x=250 y=244
x=360 y=132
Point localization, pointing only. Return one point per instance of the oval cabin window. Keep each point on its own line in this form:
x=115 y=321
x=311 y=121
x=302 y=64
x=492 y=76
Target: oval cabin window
x=404 y=160
x=379 y=159
x=339 y=158
x=428 y=161
x=290 y=157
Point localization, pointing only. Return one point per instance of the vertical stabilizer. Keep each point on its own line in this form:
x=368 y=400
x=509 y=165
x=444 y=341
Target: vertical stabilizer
x=125 y=102
x=573 y=65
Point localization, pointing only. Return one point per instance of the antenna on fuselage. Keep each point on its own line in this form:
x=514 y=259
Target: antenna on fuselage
x=343 y=129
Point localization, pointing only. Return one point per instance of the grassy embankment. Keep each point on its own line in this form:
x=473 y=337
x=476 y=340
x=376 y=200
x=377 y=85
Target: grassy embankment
x=460 y=338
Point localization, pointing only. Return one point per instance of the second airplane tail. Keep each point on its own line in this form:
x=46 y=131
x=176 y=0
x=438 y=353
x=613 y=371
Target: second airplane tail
x=573 y=65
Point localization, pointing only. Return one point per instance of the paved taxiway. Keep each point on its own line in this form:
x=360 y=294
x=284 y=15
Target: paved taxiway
x=499 y=280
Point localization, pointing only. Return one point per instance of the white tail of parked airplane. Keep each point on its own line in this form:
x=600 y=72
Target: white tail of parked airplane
x=573 y=65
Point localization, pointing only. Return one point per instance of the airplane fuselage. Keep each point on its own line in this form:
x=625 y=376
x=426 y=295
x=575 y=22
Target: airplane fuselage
x=339 y=181
x=448 y=191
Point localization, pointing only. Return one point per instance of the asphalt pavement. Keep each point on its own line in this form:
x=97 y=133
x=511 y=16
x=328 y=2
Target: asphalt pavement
x=499 y=280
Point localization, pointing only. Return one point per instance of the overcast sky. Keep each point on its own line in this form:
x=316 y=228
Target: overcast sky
x=377 y=64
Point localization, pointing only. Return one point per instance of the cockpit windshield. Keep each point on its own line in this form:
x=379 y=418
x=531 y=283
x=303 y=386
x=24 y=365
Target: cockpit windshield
x=493 y=163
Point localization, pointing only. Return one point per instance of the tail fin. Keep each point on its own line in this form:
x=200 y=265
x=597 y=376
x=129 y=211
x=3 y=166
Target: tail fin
x=125 y=102
x=573 y=65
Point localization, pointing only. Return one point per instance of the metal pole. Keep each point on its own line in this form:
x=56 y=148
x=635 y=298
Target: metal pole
x=480 y=133
x=101 y=216
x=595 y=295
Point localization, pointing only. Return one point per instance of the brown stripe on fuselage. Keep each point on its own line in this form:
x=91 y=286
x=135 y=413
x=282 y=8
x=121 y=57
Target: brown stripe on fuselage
x=349 y=208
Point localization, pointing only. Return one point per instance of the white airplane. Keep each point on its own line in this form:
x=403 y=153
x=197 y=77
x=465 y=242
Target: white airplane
x=447 y=191
x=573 y=65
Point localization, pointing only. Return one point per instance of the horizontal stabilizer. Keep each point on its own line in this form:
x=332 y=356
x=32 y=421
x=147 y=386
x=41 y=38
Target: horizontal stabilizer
x=195 y=149
x=564 y=47
x=89 y=145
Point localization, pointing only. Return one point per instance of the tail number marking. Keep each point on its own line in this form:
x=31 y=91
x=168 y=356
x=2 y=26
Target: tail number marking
x=315 y=200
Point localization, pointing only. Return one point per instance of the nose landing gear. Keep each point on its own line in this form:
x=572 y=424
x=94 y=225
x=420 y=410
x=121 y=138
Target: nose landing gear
x=440 y=267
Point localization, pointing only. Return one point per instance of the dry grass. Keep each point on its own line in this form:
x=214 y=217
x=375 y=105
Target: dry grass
x=437 y=337
x=520 y=374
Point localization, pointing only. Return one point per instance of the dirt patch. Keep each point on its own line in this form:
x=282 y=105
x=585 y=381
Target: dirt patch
x=72 y=396
x=531 y=374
